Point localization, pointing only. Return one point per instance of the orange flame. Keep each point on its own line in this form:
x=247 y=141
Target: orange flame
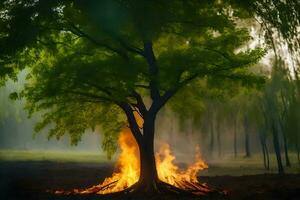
x=128 y=168
x=170 y=173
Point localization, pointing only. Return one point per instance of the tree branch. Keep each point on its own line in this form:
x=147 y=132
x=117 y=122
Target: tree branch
x=219 y=52
x=127 y=46
x=102 y=89
x=80 y=33
x=172 y=91
x=89 y=95
x=132 y=121
x=140 y=103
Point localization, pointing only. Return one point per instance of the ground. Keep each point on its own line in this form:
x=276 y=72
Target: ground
x=24 y=179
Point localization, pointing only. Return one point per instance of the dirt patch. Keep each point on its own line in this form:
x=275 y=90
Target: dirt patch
x=256 y=187
x=30 y=180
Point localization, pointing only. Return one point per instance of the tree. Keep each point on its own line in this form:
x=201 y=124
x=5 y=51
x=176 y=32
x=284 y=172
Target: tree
x=263 y=124
x=271 y=107
x=105 y=62
x=292 y=116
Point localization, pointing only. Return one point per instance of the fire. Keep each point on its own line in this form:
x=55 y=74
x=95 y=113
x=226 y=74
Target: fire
x=170 y=173
x=128 y=169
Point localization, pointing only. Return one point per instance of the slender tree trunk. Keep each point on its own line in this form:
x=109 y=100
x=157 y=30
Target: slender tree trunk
x=286 y=153
x=264 y=147
x=247 y=145
x=297 y=148
x=277 y=148
x=285 y=142
x=261 y=139
x=235 y=138
x=219 y=139
x=298 y=153
x=273 y=107
x=267 y=155
x=265 y=138
x=212 y=138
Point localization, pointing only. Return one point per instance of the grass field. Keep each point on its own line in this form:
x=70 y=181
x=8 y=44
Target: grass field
x=56 y=156
x=239 y=166
x=228 y=165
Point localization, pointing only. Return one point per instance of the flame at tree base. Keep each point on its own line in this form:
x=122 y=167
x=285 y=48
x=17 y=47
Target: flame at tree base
x=128 y=170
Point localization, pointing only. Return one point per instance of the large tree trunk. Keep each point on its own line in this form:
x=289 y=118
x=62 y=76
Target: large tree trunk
x=148 y=173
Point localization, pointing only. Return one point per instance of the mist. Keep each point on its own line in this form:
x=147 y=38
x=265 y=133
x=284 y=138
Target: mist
x=17 y=130
x=185 y=140
x=17 y=133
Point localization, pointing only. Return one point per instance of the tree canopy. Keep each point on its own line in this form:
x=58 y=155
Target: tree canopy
x=97 y=62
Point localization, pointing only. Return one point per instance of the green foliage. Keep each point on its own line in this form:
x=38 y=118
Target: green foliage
x=88 y=57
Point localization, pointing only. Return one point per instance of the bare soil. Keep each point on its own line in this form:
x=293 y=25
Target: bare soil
x=30 y=180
